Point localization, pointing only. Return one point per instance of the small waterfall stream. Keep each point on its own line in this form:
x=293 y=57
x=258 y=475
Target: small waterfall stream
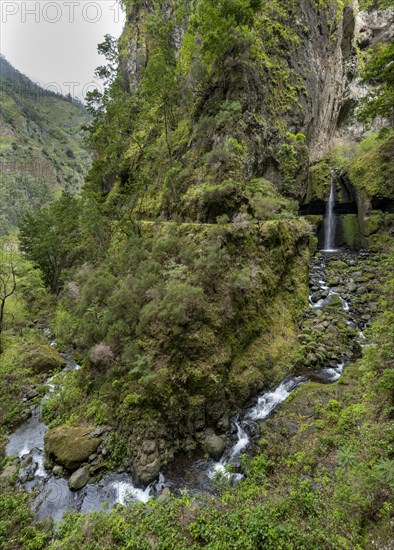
x=329 y=219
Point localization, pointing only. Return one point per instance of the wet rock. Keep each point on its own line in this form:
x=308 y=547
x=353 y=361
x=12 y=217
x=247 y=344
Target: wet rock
x=31 y=393
x=79 y=479
x=214 y=446
x=351 y=286
x=334 y=301
x=27 y=461
x=70 y=447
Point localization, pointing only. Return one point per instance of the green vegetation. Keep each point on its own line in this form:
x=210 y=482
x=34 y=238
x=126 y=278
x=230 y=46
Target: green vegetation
x=379 y=74
x=170 y=317
x=26 y=354
x=42 y=149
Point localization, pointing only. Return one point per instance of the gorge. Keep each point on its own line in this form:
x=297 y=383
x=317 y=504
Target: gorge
x=197 y=347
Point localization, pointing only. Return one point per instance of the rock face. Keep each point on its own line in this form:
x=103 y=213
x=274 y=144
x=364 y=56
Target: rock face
x=147 y=463
x=70 y=447
x=214 y=446
x=79 y=479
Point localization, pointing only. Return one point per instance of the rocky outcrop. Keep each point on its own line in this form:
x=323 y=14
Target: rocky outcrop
x=147 y=463
x=70 y=447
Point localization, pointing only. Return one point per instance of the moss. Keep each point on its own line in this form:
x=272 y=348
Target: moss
x=350 y=230
x=41 y=359
x=373 y=172
x=70 y=447
x=319 y=182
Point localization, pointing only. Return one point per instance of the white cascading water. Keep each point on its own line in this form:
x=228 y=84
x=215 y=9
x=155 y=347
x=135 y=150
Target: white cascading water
x=263 y=408
x=329 y=220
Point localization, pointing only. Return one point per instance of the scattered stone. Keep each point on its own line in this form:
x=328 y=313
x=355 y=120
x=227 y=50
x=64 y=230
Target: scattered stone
x=146 y=465
x=27 y=461
x=79 y=479
x=165 y=495
x=31 y=393
x=57 y=470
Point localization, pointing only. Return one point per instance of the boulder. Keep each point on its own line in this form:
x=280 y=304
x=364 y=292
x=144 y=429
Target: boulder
x=9 y=471
x=79 y=479
x=57 y=470
x=214 y=446
x=42 y=359
x=334 y=301
x=70 y=447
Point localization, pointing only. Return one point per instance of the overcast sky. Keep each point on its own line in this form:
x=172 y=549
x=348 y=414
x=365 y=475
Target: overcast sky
x=54 y=42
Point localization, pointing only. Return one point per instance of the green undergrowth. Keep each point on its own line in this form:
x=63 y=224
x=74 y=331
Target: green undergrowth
x=26 y=355
x=190 y=321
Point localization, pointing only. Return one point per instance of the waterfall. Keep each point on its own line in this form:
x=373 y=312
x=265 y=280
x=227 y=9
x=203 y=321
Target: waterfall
x=329 y=219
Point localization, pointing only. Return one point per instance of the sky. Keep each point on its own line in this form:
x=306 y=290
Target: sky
x=54 y=42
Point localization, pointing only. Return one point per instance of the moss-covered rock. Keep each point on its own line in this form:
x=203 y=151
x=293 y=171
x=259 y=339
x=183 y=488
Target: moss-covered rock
x=214 y=446
x=41 y=358
x=70 y=447
x=319 y=181
x=372 y=173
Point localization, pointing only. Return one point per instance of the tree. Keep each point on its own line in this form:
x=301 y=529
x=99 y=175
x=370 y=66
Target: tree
x=51 y=239
x=379 y=75
x=7 y=281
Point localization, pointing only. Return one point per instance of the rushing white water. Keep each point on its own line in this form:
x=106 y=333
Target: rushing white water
x=270 y=400
x=329 y=220
x=334 y=373
x=126 y=492
x=263 y=408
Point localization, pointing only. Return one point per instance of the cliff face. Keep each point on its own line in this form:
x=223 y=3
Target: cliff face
x=293 y=78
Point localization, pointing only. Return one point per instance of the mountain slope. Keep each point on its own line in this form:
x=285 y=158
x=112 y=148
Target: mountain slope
x=41 y=147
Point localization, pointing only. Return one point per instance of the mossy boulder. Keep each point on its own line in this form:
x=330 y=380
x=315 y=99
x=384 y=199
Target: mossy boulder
x=70 y=447
x=41 y=358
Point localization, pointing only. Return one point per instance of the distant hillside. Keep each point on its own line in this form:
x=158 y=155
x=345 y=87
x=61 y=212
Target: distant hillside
x=41 y=145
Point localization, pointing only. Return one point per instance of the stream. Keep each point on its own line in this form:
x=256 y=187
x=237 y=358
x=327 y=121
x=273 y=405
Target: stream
x=53 y=497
